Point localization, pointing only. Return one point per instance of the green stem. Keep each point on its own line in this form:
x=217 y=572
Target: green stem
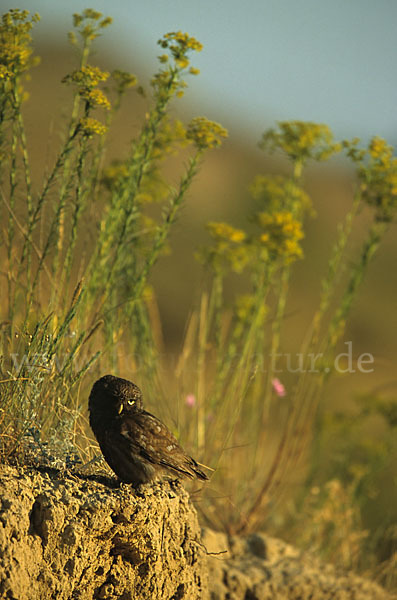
x=168 y=222
x=335 y=266
x=369 y=249
x=11 y=224
x=43 y=196
x=276 y=335
x=54 y=227
x=79 y=203
x=111 y=242
x=66 y=167
x=303 y=413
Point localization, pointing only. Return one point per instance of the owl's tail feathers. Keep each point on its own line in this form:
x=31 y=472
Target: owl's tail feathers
x=187 y=467
x=199 y=473
x=205 y=466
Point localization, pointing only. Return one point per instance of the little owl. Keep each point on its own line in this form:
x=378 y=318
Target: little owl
x=136 y=445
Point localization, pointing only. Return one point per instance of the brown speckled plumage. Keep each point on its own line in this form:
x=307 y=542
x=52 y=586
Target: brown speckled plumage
x=136 y=445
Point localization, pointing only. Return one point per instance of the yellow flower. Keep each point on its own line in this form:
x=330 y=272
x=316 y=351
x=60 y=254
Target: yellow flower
x=95 y=98
x=124 y=80
x=89 y=24
x=89 y=127
x=182 y=39
x=179 y=44
x=379 y=149
x=205 y=133
x=88 y=13
x=292 y=249
x=88 y=76
x=277 y=192
x=281 y=234
x=301 y=140
x=15 y=40
x=378 y=175
x=224 y=231
x=245 y=304
x=182 y=62
x=230 y=249
x=5 y=73
x=165 y=84
x=106 y=22
x=171 y=136
x=223 y=255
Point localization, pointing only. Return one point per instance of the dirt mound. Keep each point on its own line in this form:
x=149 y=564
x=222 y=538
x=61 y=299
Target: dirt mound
x=73 y=537
x=62 y=537
x=259 y=567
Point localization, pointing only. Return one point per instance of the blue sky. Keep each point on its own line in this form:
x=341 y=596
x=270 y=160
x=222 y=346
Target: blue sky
x=330 y=61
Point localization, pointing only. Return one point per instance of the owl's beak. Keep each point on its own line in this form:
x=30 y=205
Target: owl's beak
x=121 y=408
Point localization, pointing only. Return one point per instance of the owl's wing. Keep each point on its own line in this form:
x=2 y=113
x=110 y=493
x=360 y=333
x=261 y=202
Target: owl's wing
x=119 y=455
x=153 y=440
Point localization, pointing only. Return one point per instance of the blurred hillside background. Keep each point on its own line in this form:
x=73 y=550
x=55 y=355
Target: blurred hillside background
x=331 y=63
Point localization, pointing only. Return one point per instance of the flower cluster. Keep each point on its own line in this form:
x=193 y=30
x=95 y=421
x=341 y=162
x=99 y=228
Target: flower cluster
x=87 y=79
x=90 y=127
x=179 y=44
x=205 y=134
x=301 y=140
x=15 y=40
x=378 y=176
x=171 y=136
x=167 y=81
x=228 y=250
x=244 y=307
x=95 y=98
x=281 y=234
x=226 y=233
x=276 y=192
x=123 y=80
x=283 y=206
x=89 y=24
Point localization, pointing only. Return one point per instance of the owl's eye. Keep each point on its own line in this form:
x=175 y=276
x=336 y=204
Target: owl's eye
x=130 y=402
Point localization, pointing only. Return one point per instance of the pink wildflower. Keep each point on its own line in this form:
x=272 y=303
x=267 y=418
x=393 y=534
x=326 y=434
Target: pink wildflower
x=278 y=387
x=190 y=400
